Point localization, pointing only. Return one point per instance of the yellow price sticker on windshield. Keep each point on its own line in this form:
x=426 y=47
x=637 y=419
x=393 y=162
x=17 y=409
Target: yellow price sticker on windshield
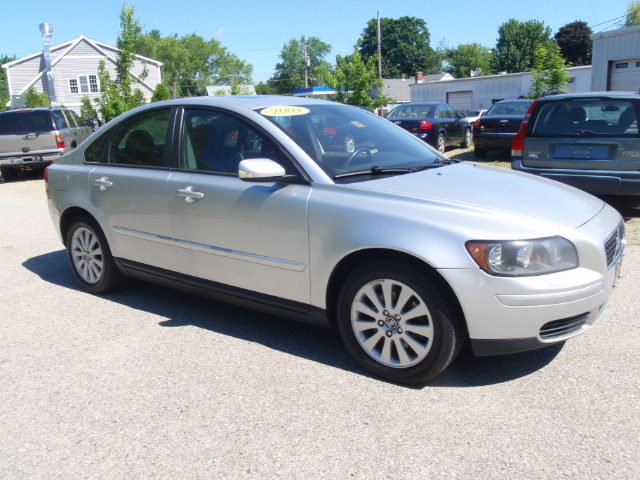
x=284 y=111
x=357 y=124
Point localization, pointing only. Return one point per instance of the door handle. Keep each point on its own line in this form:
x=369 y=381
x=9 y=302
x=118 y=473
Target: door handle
x=103 y=183
x=190 y=194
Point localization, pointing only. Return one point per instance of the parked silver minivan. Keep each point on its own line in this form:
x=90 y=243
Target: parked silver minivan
x=588 y=140
x=32 y=138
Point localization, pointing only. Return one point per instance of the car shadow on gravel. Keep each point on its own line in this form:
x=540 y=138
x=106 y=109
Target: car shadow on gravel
x=314 y=343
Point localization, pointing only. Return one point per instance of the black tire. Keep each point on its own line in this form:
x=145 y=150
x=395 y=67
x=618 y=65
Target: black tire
x=8 y=173
x=409 y=343
x=480 y=152
x=466 y=143
x=441 y=143
x=90 y=257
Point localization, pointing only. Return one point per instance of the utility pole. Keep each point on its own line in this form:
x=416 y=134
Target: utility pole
x=307 y=63
x=379 y=49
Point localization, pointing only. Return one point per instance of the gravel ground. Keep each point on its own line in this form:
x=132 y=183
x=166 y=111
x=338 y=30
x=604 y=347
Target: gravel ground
x=150 y=383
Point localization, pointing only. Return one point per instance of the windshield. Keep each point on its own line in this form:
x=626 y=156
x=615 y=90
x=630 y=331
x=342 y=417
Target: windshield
x=509 y=108
x=588 y=117
x=342 y=139
x=413 y=110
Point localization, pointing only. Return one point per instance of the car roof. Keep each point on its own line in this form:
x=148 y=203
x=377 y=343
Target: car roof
x=515 y=100
x=612 y=95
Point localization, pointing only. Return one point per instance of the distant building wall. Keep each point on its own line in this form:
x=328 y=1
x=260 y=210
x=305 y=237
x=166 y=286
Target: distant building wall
x=485 y=91
x=611 y=50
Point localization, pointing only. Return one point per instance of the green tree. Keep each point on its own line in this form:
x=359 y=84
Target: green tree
x=88 y=112
x=289 y=72
x=263 y=88
x=574 y=40
x=5 y=96
x=161 y=92
x=467 y=57
x=404 y=45
x=517 y=42
x=118 y=96
x=353 y=79
x=191 y=62
x=34 y=99
x=633 y=14
x=549 y=73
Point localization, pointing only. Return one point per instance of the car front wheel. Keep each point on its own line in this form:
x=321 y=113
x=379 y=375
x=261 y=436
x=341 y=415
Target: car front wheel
x=396 y=323
x=90 y=257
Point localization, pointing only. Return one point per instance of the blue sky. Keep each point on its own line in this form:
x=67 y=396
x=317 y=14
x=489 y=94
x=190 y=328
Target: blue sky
x=257 y=30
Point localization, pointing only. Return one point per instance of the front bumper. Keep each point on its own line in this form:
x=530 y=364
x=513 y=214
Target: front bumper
x=514 y=314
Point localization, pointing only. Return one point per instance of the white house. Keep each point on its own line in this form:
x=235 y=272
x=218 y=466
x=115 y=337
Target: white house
x=75 y=72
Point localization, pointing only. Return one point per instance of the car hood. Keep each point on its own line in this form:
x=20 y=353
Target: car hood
x=494 y=189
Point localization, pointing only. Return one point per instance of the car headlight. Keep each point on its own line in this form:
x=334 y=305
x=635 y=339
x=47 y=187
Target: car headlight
x=524 y=257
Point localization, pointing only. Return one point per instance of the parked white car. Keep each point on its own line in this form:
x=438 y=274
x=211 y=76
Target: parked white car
x=407 y=253
x=474 y=115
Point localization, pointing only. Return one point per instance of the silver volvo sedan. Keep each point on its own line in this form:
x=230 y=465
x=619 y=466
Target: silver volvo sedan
x=330 y=215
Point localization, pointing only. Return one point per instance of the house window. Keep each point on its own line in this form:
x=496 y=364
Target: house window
x=622 y=65
x=84 y=84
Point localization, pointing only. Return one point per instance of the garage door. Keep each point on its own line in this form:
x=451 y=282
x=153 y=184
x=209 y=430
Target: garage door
x=625 y=75
x=460 y=101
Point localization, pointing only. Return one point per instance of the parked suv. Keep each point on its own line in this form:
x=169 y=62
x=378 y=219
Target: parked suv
x=32 y=138
x=589 y=140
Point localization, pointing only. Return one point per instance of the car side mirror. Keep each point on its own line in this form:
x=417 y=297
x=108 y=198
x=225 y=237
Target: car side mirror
x=260 y=170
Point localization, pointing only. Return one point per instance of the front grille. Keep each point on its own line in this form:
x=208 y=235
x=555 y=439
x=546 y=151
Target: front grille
x=614 y=245
x=559 y=328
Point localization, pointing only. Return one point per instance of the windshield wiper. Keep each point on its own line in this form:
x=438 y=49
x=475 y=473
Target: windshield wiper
x=376 y=171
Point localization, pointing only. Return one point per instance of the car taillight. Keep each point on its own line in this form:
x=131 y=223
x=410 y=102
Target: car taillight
x=46 y=182
x=518 y=141
x=476 y=124
x=424 y=125
x=59 y=141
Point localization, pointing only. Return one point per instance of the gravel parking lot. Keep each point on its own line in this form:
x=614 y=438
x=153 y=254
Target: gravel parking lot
x=151 y=383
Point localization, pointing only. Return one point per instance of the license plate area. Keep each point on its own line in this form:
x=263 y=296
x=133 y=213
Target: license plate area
x=582 y=152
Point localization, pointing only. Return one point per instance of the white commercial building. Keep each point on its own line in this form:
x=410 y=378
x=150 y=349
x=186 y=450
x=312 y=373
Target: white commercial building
x=615 y=67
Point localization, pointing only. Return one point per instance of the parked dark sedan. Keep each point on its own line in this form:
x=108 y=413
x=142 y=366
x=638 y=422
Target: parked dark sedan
x=496 y=128
x=436 y=123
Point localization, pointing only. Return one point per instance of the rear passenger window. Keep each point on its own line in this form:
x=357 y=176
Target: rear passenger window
x=58 y=117
x=140 y=140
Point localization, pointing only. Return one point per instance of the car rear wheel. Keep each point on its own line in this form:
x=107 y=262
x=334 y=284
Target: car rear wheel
x=396 y=323
x=90 y=257
x=440 y=143
x=466 y=143
x=480 y=152
x=8 y=173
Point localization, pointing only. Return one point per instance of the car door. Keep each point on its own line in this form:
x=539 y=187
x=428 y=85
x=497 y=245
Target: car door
x=451 y=123
x=128 y=188
x=246 y=236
